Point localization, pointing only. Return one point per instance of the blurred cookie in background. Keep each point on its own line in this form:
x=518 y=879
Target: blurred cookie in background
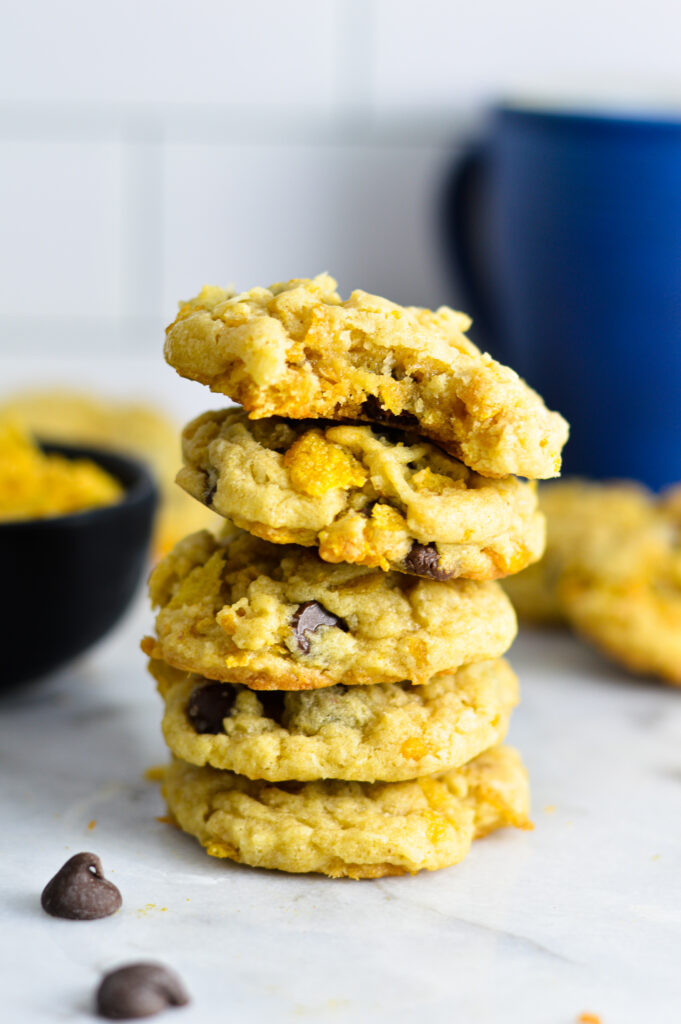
x=589 y=526
x=133 y=427
x=612 y=571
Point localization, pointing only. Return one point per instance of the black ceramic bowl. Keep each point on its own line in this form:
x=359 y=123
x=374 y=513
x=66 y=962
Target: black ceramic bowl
x=65 y=581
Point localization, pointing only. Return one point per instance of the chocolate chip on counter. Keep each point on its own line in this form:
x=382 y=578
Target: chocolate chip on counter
x=424 y=560
x=208 y=705
x=80 y=892
x=309 y=617
x=273 y=705
x=139 y=990
x=373 y=410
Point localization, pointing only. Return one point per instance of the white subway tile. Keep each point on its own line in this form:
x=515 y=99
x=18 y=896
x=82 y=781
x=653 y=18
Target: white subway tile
x=443 y=56
x=255 y=215
x=140 y=376
x=164 y=51
x=60 y=210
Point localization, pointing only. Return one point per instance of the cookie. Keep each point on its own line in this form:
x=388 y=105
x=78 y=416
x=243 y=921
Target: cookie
x=612 y=571
x=390 y=731
x=628 y=603
x=298 y=350
x=592 y=529
x=360 y=496
x=275 y=617
x=638 y=624
x=353 y=829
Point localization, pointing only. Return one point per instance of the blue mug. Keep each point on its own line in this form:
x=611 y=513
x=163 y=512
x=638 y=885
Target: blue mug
x=564 y=232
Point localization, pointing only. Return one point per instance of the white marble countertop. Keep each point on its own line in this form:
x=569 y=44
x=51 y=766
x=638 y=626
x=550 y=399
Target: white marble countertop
x=581 y=915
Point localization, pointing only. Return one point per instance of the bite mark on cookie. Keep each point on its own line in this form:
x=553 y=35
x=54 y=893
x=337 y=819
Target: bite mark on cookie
x=373 y=410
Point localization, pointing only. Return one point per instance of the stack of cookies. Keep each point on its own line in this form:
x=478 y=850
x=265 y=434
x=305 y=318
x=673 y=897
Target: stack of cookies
x=331 y=662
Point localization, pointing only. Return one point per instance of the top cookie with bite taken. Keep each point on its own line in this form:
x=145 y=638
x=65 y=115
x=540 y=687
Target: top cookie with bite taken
x=297 y=349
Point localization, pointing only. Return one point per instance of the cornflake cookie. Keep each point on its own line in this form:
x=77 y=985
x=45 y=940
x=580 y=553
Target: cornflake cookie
x=629 y=604
x=592 y=530
x=273 y=617
x=390 y=731
x=298 y=350
x=354 y=829
x=360 y=496
x=612 y=570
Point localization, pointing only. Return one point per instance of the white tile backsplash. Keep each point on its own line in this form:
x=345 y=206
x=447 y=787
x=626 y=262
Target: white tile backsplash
x=255 y=215
x=149 y=146
x=448 y=55
x=142 y=226
x=60 y=211
x=167 y=51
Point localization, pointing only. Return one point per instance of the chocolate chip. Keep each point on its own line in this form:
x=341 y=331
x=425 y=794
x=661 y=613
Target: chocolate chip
x=309 y=617
x=208 y=705
x=139 y=990
x=373 y=410
x=273 y=705
x=80 y=892
x=424 y=560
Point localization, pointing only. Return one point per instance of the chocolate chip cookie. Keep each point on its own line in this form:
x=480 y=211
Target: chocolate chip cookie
x=592 y=528
x=353 y=829
x=361 y=494
x=629 y=603
x=612 y=571
x=390 y=731
x=275 y=617
x=299 y=350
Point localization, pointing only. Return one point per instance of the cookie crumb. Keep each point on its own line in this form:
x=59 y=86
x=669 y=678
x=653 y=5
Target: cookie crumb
x=167 y=819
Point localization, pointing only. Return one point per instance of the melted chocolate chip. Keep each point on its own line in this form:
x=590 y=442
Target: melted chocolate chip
x=424 y=560
x=273 y=705
x=309 y=617
x=208 y=705
x=139 y=990
x=80 y=892
x=373 y=410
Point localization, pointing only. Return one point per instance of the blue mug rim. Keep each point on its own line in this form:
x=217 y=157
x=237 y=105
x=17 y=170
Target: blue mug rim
x=578 y=116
